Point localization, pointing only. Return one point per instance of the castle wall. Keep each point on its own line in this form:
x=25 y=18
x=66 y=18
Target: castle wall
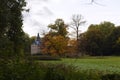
x=35 y=49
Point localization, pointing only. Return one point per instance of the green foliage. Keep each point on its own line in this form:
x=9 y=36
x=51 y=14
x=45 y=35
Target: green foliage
x=84 y=69
x=102 y=39
x=32 y=39
x=44 y=57
x=58 y=28
x=111 y=77
x=114 y=39
x=15 y=31
x=11 y=23
x=27 y=43
x=23 y=69
x=67 y=72
x=20 y=70
x=6 y=48
x=107 y=65
x=93 y=42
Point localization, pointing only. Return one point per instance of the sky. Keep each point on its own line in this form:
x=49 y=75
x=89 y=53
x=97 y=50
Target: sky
x=44 y=12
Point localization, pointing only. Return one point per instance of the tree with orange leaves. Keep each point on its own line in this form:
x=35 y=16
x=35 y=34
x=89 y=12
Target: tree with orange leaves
x=56 y=41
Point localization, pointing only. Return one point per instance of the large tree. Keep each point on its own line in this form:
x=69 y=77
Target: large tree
x=55 y=42
x=77 y=21
x=11 y=22
x=54 y=45
x=96 y=41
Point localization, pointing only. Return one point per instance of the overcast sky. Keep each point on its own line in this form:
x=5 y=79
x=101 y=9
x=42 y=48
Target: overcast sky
x=44 y=12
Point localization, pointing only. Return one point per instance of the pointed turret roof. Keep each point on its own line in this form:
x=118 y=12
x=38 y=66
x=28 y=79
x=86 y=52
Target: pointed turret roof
x=38 y=37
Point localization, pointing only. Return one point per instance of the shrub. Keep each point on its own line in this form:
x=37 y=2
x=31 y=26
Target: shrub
x=28 y=70
x=44 y=57
x=20 y=70
x=111 y=77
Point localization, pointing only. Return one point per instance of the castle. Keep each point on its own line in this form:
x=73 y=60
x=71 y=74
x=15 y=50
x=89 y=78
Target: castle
x=35 y=46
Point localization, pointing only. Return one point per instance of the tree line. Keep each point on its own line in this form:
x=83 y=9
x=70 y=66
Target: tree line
x=14 y=43
x=100 y=39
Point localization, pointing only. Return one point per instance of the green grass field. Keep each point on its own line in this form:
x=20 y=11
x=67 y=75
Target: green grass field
x=104 y=64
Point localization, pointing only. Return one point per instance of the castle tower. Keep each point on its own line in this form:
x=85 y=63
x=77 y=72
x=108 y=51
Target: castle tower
x=35 y=46
x=38 y=37
x=38 y=41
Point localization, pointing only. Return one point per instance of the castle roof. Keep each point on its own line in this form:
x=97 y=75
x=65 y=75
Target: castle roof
x=37 y=40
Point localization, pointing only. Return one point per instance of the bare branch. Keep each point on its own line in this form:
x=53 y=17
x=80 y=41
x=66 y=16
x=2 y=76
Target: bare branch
x=77 y=21
x=94 y=2
x=73 y=27
x=98 y=3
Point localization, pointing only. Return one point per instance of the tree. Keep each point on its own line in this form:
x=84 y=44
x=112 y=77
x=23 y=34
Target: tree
x=91 y=42
x=55 y=46
x=32 y=39
x=55 y=42
x=58 y=28
x=6 y=48
x=114 y=41
x=77 y=21
x=72 y=48
x=15 y=31
x=106 y=29
x=27 y=43
x=116 y=47
x=96 y=41
x=4 y=17
x=11 y=22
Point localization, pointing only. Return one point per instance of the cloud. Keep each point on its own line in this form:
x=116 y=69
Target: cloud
x=45 y=0
x=47 y=10
x=44 y=11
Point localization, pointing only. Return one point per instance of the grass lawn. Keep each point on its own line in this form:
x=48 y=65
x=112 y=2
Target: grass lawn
x=104 y=64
